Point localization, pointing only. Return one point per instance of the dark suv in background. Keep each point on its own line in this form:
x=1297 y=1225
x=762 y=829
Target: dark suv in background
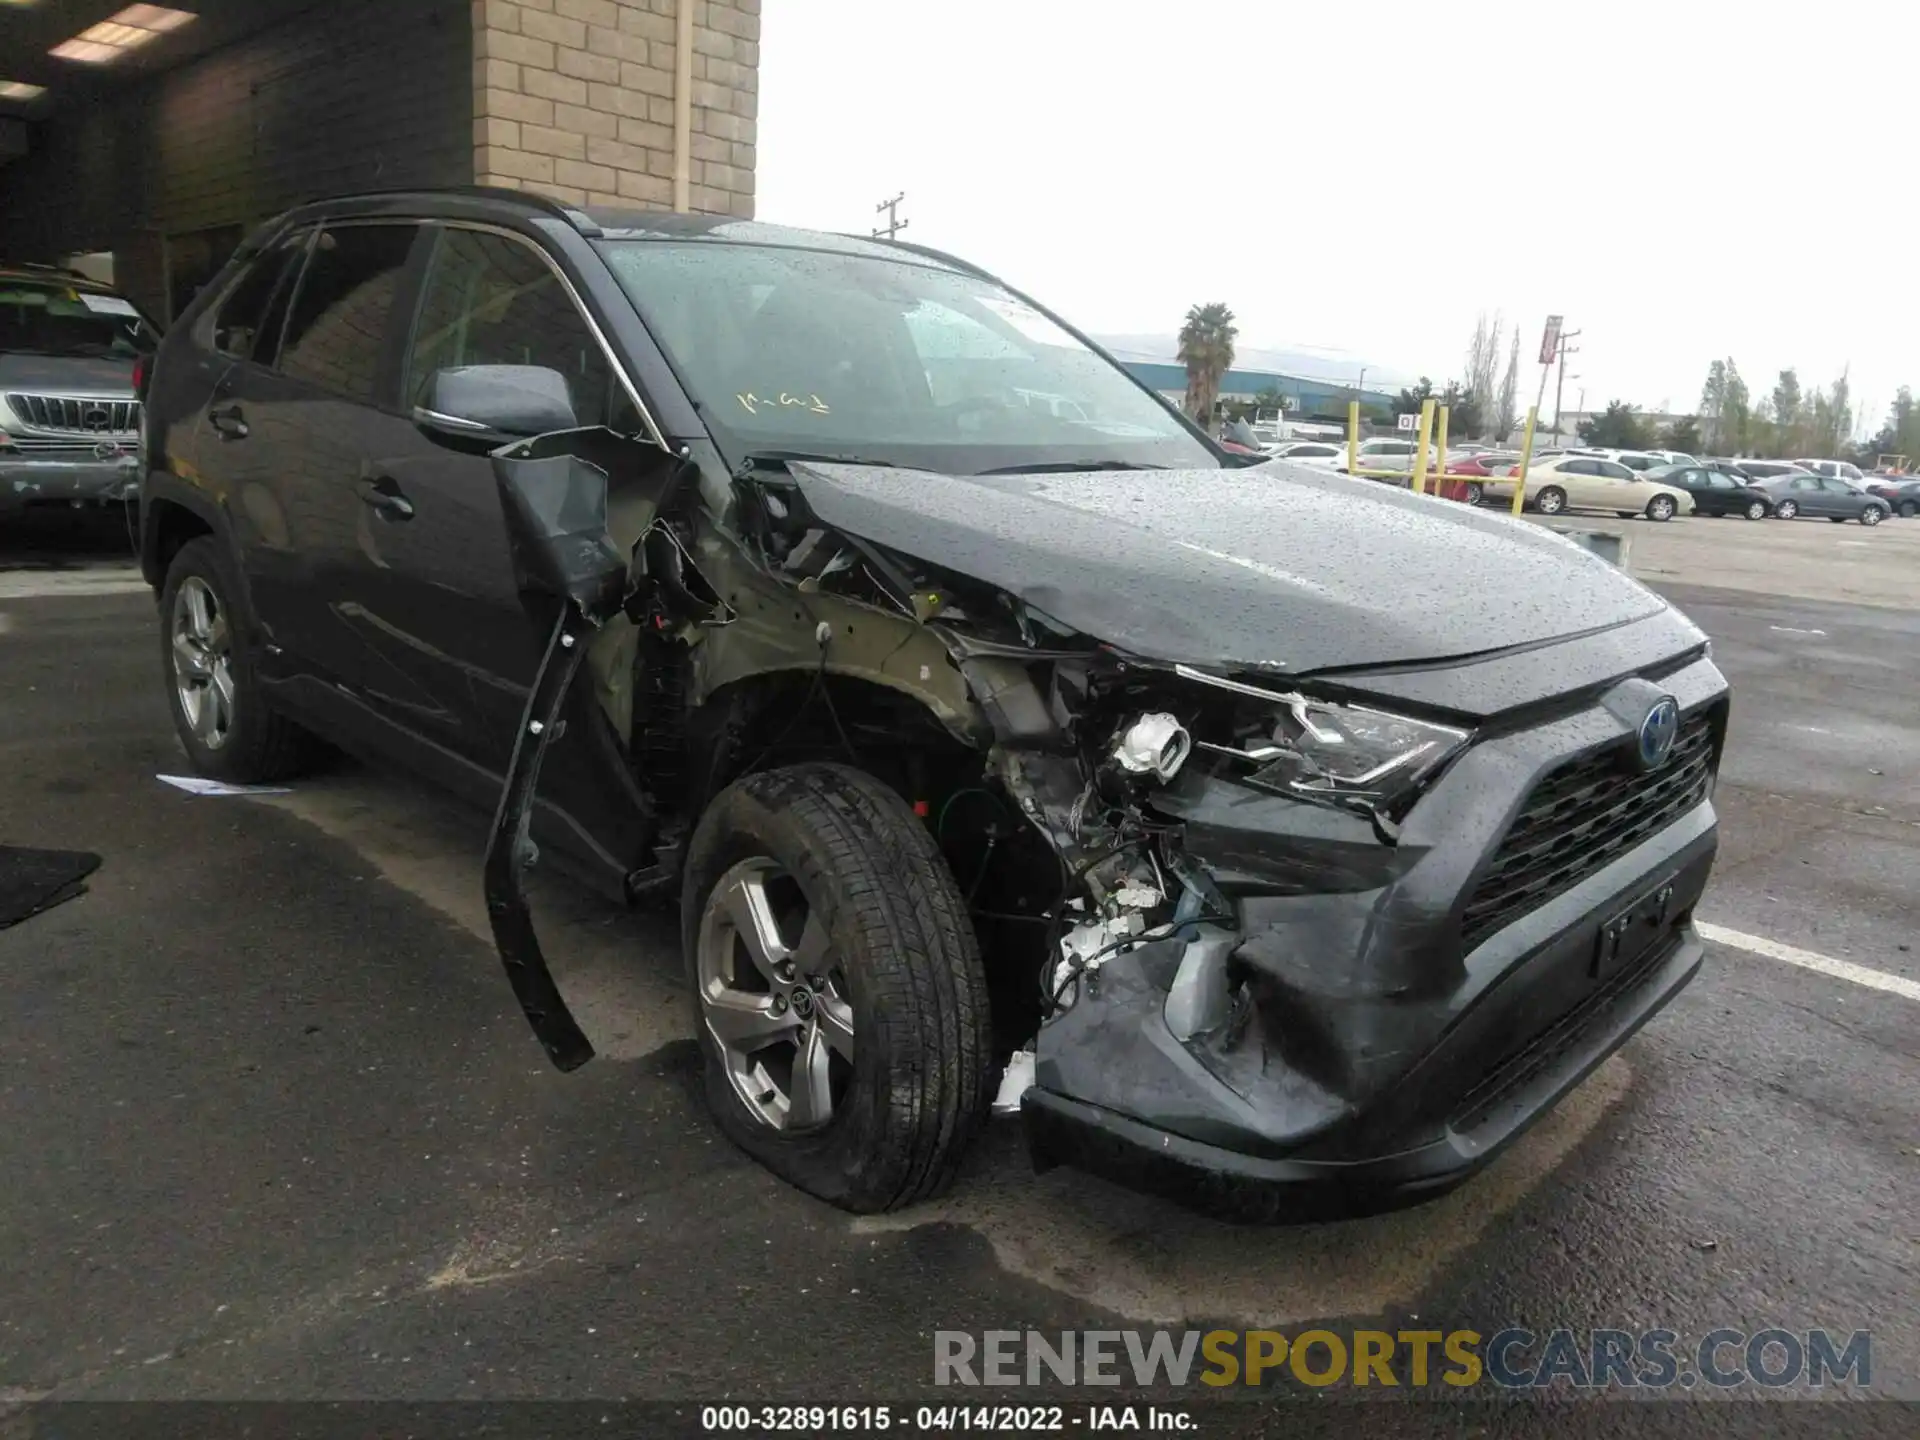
x=979 y=711
x=69 y=423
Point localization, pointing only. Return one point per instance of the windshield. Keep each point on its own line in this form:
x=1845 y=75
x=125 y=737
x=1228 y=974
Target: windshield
x=816 y=353
x=58 y=320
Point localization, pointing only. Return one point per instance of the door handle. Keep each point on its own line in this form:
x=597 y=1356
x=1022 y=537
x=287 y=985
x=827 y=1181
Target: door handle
x=228 y=421
x=382 y=495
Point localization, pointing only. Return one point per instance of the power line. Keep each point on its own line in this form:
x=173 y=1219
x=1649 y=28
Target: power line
x=891 y=209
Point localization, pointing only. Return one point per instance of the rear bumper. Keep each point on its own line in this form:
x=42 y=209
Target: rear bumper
x=27 y=481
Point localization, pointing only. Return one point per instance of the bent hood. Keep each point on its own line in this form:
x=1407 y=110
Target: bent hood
x=1277 y=567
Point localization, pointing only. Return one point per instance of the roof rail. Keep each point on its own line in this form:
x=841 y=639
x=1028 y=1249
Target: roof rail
x=559 y=210
x=967 y=266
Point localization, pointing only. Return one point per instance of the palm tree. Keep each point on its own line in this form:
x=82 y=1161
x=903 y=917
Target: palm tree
x=1206 y=349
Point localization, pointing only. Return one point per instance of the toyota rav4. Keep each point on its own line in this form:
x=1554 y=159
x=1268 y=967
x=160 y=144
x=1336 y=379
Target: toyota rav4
x=994 y=731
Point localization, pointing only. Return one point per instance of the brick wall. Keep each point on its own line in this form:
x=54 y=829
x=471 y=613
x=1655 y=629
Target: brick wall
x=575 y=99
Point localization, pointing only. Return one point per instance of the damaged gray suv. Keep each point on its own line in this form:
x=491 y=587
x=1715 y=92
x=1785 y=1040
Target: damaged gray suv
x=981 y=716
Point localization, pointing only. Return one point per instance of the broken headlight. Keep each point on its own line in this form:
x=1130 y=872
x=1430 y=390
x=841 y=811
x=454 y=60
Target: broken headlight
x=1342 y=754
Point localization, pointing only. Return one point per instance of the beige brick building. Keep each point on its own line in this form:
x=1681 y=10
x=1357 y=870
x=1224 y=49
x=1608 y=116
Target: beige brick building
x=650 y=103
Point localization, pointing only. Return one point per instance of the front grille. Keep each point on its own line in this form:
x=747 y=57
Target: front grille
x=1581 y=816
x=36 y=445
x=76 y=414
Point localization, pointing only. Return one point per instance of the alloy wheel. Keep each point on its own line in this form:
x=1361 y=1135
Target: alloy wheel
x=773 y=998
x=1870 y=515
x=203 y=662
x=1756 y=511
x=1787 y=510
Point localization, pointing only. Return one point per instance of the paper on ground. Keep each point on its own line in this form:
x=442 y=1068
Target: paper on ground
x=196 y=785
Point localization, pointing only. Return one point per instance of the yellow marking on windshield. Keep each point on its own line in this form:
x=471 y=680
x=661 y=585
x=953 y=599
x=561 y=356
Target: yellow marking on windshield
x=751 y=402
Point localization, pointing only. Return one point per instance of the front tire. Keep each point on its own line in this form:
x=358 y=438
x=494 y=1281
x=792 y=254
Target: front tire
x=1660 y=508
x=839 y=998
x=1787 y=509
x=1756 y=510
x=220 y=712
x=1551 y=500
x=1872 y=515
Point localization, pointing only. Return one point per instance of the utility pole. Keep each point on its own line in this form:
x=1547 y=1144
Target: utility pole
x=891 y=209
x=1560 y=386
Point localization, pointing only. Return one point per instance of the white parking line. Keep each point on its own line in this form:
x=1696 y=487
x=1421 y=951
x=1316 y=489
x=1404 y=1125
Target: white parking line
x=1795 y=630
x=50 y=584
x=1810 y=960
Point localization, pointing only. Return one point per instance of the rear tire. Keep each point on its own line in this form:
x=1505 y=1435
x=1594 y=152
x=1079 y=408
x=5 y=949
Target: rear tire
x=1476 y=495
x=225 y=722
x=1787 y=509
x=856 y=876
x=1908 y=509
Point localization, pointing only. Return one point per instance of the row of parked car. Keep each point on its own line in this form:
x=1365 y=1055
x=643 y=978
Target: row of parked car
x=1657 y=484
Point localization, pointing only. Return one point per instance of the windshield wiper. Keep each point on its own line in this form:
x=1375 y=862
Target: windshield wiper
x=762 y=458
x=1067 y=467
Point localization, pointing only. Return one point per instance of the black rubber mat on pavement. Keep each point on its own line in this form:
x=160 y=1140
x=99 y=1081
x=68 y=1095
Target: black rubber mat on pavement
x=36 y=880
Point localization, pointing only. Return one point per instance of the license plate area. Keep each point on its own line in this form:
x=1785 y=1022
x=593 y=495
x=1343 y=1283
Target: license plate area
x=1629 y=934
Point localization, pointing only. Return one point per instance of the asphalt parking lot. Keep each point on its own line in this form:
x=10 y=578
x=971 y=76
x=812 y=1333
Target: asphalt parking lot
x=273 y=1127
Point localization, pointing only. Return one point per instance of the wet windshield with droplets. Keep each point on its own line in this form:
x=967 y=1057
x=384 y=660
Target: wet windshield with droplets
x=818 y=352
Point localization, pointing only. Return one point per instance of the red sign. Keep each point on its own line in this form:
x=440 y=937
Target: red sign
x=1550 y=342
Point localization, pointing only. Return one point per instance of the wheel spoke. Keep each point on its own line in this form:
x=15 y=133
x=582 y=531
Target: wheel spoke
x=810 y=955
x=199 y=612
x=189 y=660
x=810 y=1101
x=206 y=719
x=745 y=1022
x=223 y=689
x=753 y=920
x=835 y=1021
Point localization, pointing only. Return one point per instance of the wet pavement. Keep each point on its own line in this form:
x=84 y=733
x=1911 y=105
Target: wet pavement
x=272 y=1126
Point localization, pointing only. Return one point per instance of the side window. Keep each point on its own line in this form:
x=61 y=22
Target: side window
x=337 y=329
x=256 y=306
x=491 y=300
x=1617 y=472
x=1581 y=467
x=1802 y=482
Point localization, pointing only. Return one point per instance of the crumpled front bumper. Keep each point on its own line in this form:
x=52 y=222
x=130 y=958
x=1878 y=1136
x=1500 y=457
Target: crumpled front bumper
x=1373 y=1060
x=26 y=481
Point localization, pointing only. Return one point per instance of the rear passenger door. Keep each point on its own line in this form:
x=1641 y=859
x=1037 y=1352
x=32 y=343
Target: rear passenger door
x=289 y=425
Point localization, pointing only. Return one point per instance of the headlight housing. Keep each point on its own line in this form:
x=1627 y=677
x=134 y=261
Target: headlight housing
x=1335 y=753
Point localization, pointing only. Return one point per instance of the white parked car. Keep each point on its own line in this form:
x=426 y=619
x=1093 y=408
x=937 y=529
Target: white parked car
x=1640 y=460
x=1587 y=482
x=1833 y=469
x=1321 y=454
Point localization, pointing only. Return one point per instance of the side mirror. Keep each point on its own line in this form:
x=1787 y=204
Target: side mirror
x=492 y=401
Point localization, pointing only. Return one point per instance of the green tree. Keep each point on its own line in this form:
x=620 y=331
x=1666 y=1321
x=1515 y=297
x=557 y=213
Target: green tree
x=1483 y=370
x=1901 y=434
x=1465 y=411
x=1412 y=399
x=1206 y=349
x=1789 y=414
x=1713 y=404
x=1737 y=418
x=1506 y=407
x=1618 y=427
x=1683 y=435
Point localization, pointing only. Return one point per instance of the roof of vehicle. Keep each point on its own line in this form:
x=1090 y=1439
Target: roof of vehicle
x=616 y=224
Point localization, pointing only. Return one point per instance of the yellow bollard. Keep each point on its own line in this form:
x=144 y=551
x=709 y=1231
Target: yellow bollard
x=1440 y=455
x=1353 y=437
x=1420 y=453
x=1526 y=457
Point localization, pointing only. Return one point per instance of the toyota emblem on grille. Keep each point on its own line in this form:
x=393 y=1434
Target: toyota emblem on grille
x=1657 y=732
x=97 y=418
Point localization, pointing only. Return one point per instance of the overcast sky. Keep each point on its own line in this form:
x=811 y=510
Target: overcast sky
x=1682 y=180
